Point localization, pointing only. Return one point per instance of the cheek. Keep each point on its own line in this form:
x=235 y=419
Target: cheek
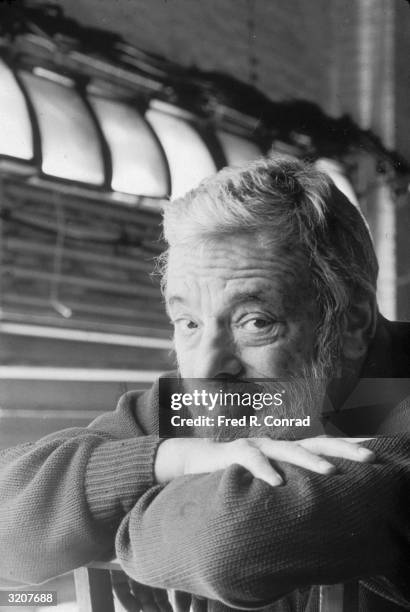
x=185 y=368
x=291 y=360
x=185 y=359
x=265 y=362
x=282 y=359
x=301 y=349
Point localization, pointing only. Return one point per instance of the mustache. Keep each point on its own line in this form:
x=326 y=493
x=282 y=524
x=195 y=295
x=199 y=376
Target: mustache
x=291 y=398
x=305 y=393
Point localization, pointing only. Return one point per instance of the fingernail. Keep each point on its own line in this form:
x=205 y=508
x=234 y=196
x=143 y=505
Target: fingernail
x=276 y=481
x=327 y=467
x=366 y=453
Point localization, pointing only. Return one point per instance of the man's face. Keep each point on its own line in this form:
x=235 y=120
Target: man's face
x=240 y=310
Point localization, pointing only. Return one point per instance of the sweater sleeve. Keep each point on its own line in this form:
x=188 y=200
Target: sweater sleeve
x=230 y=537
x=63 y=497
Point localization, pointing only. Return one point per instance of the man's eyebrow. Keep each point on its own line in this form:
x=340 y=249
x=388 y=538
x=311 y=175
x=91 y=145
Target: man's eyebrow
x=241 y=297
x=258 y=295
x=174 y=299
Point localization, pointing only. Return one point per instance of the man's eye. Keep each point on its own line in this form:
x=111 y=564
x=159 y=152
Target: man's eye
x=256 y=324
x=185 y=325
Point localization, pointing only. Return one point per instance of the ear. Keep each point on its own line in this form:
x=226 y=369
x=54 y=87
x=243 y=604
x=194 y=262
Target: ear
x=359 y=329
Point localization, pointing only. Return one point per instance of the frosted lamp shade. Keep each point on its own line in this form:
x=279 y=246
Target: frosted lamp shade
x=69 y=140
x=188 y=158
x=138 y=164
x=16 y=138
x=238 y=150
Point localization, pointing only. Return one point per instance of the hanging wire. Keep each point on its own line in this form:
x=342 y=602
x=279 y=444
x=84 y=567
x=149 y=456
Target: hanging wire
x=55 y=301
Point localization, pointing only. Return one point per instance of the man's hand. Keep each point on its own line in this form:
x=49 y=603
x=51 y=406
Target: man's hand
x=181 y=456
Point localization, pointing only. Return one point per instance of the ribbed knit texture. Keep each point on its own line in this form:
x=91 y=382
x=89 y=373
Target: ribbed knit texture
x=224 y=536
x=117 y=474
x=63 y=498
x=230 y=537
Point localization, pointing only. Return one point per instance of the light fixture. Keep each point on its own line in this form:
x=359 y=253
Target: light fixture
x=138 y=164
x=16 y=137
x=188 y=157
x=237 y=149
x=69 y=141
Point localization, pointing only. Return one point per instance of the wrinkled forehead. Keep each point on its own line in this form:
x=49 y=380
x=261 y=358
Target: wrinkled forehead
x=239 y=263
x=239 y=250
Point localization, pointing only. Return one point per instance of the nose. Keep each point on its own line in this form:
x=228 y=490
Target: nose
x=217 y=356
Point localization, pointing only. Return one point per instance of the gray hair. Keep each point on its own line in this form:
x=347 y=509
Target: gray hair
x=292 y=206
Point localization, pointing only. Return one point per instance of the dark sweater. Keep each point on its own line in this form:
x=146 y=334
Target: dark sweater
x=225 y=536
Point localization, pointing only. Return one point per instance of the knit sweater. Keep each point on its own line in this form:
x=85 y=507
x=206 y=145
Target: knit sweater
x=89 y=494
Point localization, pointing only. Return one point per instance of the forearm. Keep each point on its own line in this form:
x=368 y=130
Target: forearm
x=231 y=537
x=60 y=505
x=62 y=498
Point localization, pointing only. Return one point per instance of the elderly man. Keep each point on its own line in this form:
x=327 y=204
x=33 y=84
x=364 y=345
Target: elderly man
x=270 y=274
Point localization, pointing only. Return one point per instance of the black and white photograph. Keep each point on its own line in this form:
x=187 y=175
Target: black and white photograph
x=204 y=305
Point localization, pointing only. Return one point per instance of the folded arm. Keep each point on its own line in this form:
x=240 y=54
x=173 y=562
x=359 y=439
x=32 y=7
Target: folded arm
x=231 y=537
x=62 y=498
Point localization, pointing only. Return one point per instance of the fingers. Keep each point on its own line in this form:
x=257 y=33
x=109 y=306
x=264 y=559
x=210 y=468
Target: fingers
x=294 y=453
x=211 y=456
x=357 y=440
x=257 y=454
x=307 y=454
x=343 y=448
x=247 y=454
